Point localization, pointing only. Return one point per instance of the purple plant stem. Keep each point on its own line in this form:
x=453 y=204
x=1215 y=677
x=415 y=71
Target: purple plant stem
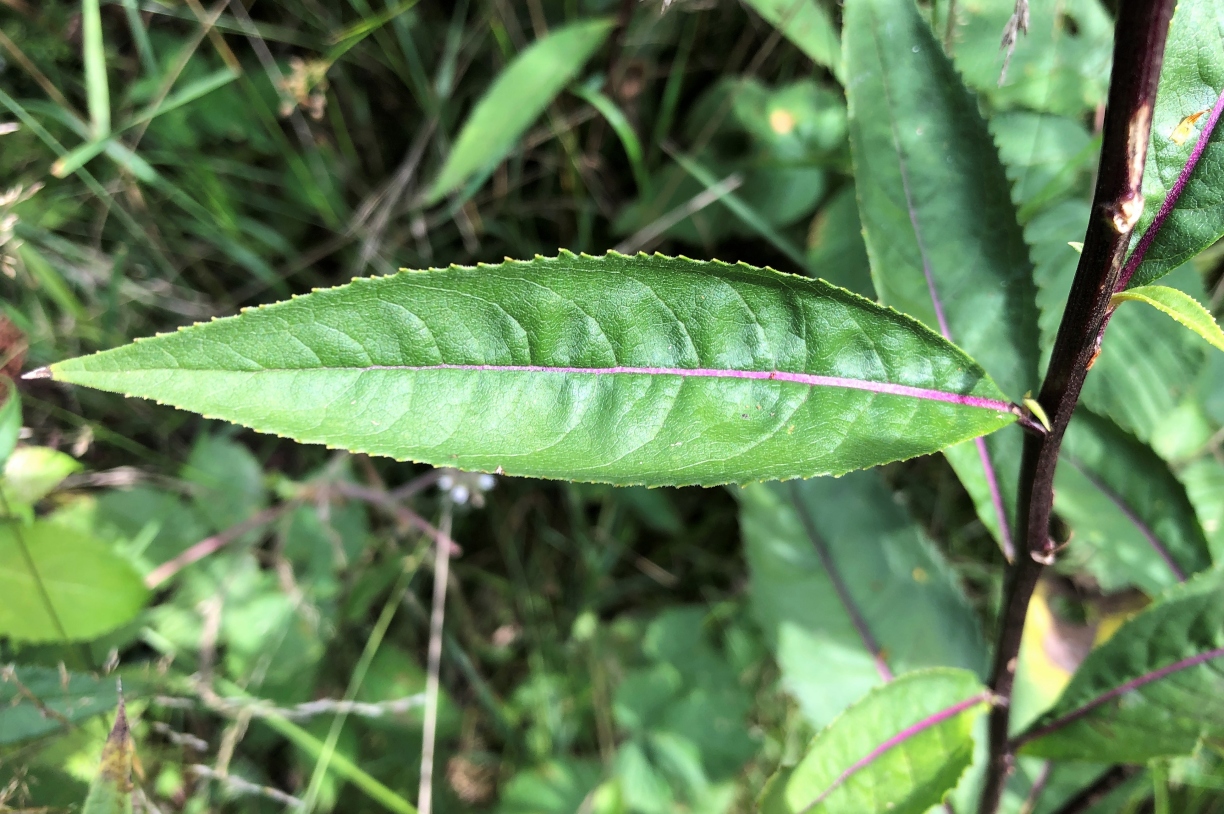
x=1170 y=201
x=1130 y=515
x=1120 y=690
x=898 y=739
x=1140 y=32
x=886 y=388
x=839 y=585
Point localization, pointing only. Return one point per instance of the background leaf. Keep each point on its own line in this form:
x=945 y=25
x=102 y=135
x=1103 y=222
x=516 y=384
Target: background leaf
x=899 y=750
x=1153 y=690
x=91 y=589
x=521 y=368
x=1191 y=81
x=516 y=99
x=1133 y=523
x=940 y=228
x=33 y=472
x=35 y=701
x=893 y=579
x=807 y=24
x=1060 y=66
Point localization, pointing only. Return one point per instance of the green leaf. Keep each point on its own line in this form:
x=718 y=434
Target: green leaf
x=897 y=751
x=941 y=230
x=1153 y=690
x=111 y=789
x=59 y=584
x=1179 y=305
x=849 y=591
x=807 y=24
x=516 y=99
x=628 y=370
x=557 y=787
x=94 y=52
x=10 y=419
x=1191 y=82
x=1133 y=522
x=1147 y=364
x=35 y=701
x=1061 y=66
x=227 y=480
x=33 y=472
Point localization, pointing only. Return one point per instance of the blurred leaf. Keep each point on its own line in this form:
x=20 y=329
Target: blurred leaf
x=885 y=572
x=1179 y=305
x=161 y=523
x=899 y=750
x=940 y=228
x=10 y=419
x=35 y=701
x=60 y=584
x=631 y=370
x=94 y=53
x=807 y=24
x=1153 y=690
x=835 y=248
x=111 y=789
x=1204 y=481
x=1191 y=82
x=229 y=481
x=516 y=99
x=32 y=473
x=557 y=787
x=1061 y=66
x=1133 y=523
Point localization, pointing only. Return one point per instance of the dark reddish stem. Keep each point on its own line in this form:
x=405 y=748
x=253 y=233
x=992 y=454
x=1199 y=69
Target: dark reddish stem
x=1098 y=790
x=1139 y=39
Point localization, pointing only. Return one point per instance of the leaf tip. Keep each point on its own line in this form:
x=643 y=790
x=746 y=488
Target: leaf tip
x=38 y=373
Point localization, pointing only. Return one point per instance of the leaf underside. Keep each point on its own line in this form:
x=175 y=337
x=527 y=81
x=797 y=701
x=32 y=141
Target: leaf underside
x=626 y=370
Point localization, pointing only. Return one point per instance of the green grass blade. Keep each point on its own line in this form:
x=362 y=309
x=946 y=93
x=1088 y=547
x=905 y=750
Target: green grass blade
x=517 y=98
x=96 y=89
x=111 y=789
x=624 y=131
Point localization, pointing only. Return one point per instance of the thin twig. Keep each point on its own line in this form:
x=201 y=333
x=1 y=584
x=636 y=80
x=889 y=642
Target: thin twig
x=239 y=787
x=434 y=665
x=1139 y=41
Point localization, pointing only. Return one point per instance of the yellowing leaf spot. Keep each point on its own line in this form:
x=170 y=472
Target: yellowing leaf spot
x=781 y=121
x=920 y=575
x=1185 y=127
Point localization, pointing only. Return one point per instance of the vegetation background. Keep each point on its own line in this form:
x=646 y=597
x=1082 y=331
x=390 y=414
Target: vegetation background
x=605 y=650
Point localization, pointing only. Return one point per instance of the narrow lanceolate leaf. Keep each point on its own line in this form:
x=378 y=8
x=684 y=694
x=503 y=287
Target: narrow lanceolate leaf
x=940 y=227
x=849 y=591
x=1179 y=305
x=59 y=584
x=1182 y=185
x=626 y=370
x=1132 y=520
x=516 y=99
x=1153 y=690
x=897 y=751
x=808 y=25
x=111 y=789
